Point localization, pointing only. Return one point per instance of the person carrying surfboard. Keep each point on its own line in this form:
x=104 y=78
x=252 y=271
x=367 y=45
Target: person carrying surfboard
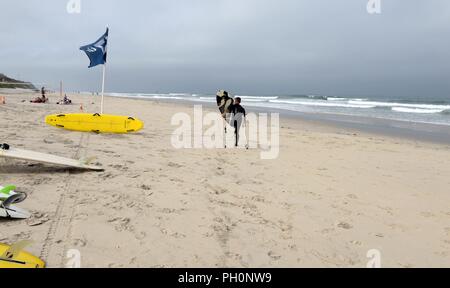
x=238 y=116
x=224 y=102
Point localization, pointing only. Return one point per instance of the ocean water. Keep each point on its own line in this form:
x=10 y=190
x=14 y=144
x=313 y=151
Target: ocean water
x=432 y=111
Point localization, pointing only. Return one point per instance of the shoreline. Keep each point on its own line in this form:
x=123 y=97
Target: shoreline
x=406 y=130
x=424 y=132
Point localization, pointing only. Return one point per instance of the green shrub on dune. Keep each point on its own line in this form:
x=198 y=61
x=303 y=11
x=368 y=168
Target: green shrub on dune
x=6 y=82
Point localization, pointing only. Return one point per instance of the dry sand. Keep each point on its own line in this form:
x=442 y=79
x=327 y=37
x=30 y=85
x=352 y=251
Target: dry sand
x=332 y=195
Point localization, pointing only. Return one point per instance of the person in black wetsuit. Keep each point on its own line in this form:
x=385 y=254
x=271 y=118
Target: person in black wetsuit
x=238 y=115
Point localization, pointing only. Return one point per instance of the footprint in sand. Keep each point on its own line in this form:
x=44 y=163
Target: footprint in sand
x=178 y=235
x=344 y=225
x=260 y=199
x=447 y=231
x=274 y=256
x=106 y=176
x=293 y=247
x=16 y=237
x=174 y=165
x=122 y=224
x=284 y=227
x=119 y=167
x=145 y=187
x=223 y=232
x=219 y=171
x=41 y=180
x=238 y=258
x=356 y=243
x=140 y=235
x=37 y=219
x=81 y=216
x=80 y=242
x=170 y=211
x=217 y=190
x=177 y=180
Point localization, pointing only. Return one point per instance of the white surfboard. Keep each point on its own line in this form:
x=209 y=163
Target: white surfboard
x=10 y=152
x=13 y=211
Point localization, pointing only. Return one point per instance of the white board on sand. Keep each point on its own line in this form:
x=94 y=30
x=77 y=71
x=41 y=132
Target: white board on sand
x=13 y=211
x=10 y=152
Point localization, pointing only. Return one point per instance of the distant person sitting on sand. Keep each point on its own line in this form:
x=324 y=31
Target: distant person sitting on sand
x=238 y=116
x=42 y=99
x=65 y=101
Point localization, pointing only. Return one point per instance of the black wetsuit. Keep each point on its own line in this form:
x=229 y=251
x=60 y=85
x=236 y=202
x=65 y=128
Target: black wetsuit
x=238 y=116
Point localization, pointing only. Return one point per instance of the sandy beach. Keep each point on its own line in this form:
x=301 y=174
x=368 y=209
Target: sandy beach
x=332 y=195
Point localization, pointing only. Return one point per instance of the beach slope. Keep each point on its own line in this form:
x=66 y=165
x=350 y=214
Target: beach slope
x=331 y=196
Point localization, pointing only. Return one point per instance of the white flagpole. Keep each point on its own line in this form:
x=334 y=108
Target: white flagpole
x=103 y=88
x=104 y=72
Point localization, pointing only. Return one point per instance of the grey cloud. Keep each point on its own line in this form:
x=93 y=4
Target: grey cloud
x=331 y=47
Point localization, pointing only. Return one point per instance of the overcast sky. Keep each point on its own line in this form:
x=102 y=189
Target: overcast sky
x=326 y=47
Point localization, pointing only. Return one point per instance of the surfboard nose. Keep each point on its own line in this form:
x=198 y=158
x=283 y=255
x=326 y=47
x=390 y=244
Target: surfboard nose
x=139 y=125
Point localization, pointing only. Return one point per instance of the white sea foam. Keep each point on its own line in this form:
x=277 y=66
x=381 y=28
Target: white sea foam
x=167 y=97
x=404 y=105
x=416 y=110
x=262 y=98
x=336 y=99
x=323 y=104
x=411 y=112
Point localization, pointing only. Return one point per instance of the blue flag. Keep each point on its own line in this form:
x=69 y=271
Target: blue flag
x=97 y=51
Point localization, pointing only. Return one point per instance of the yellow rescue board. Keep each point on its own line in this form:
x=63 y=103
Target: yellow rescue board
x=95 y=123
x=20 y=260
